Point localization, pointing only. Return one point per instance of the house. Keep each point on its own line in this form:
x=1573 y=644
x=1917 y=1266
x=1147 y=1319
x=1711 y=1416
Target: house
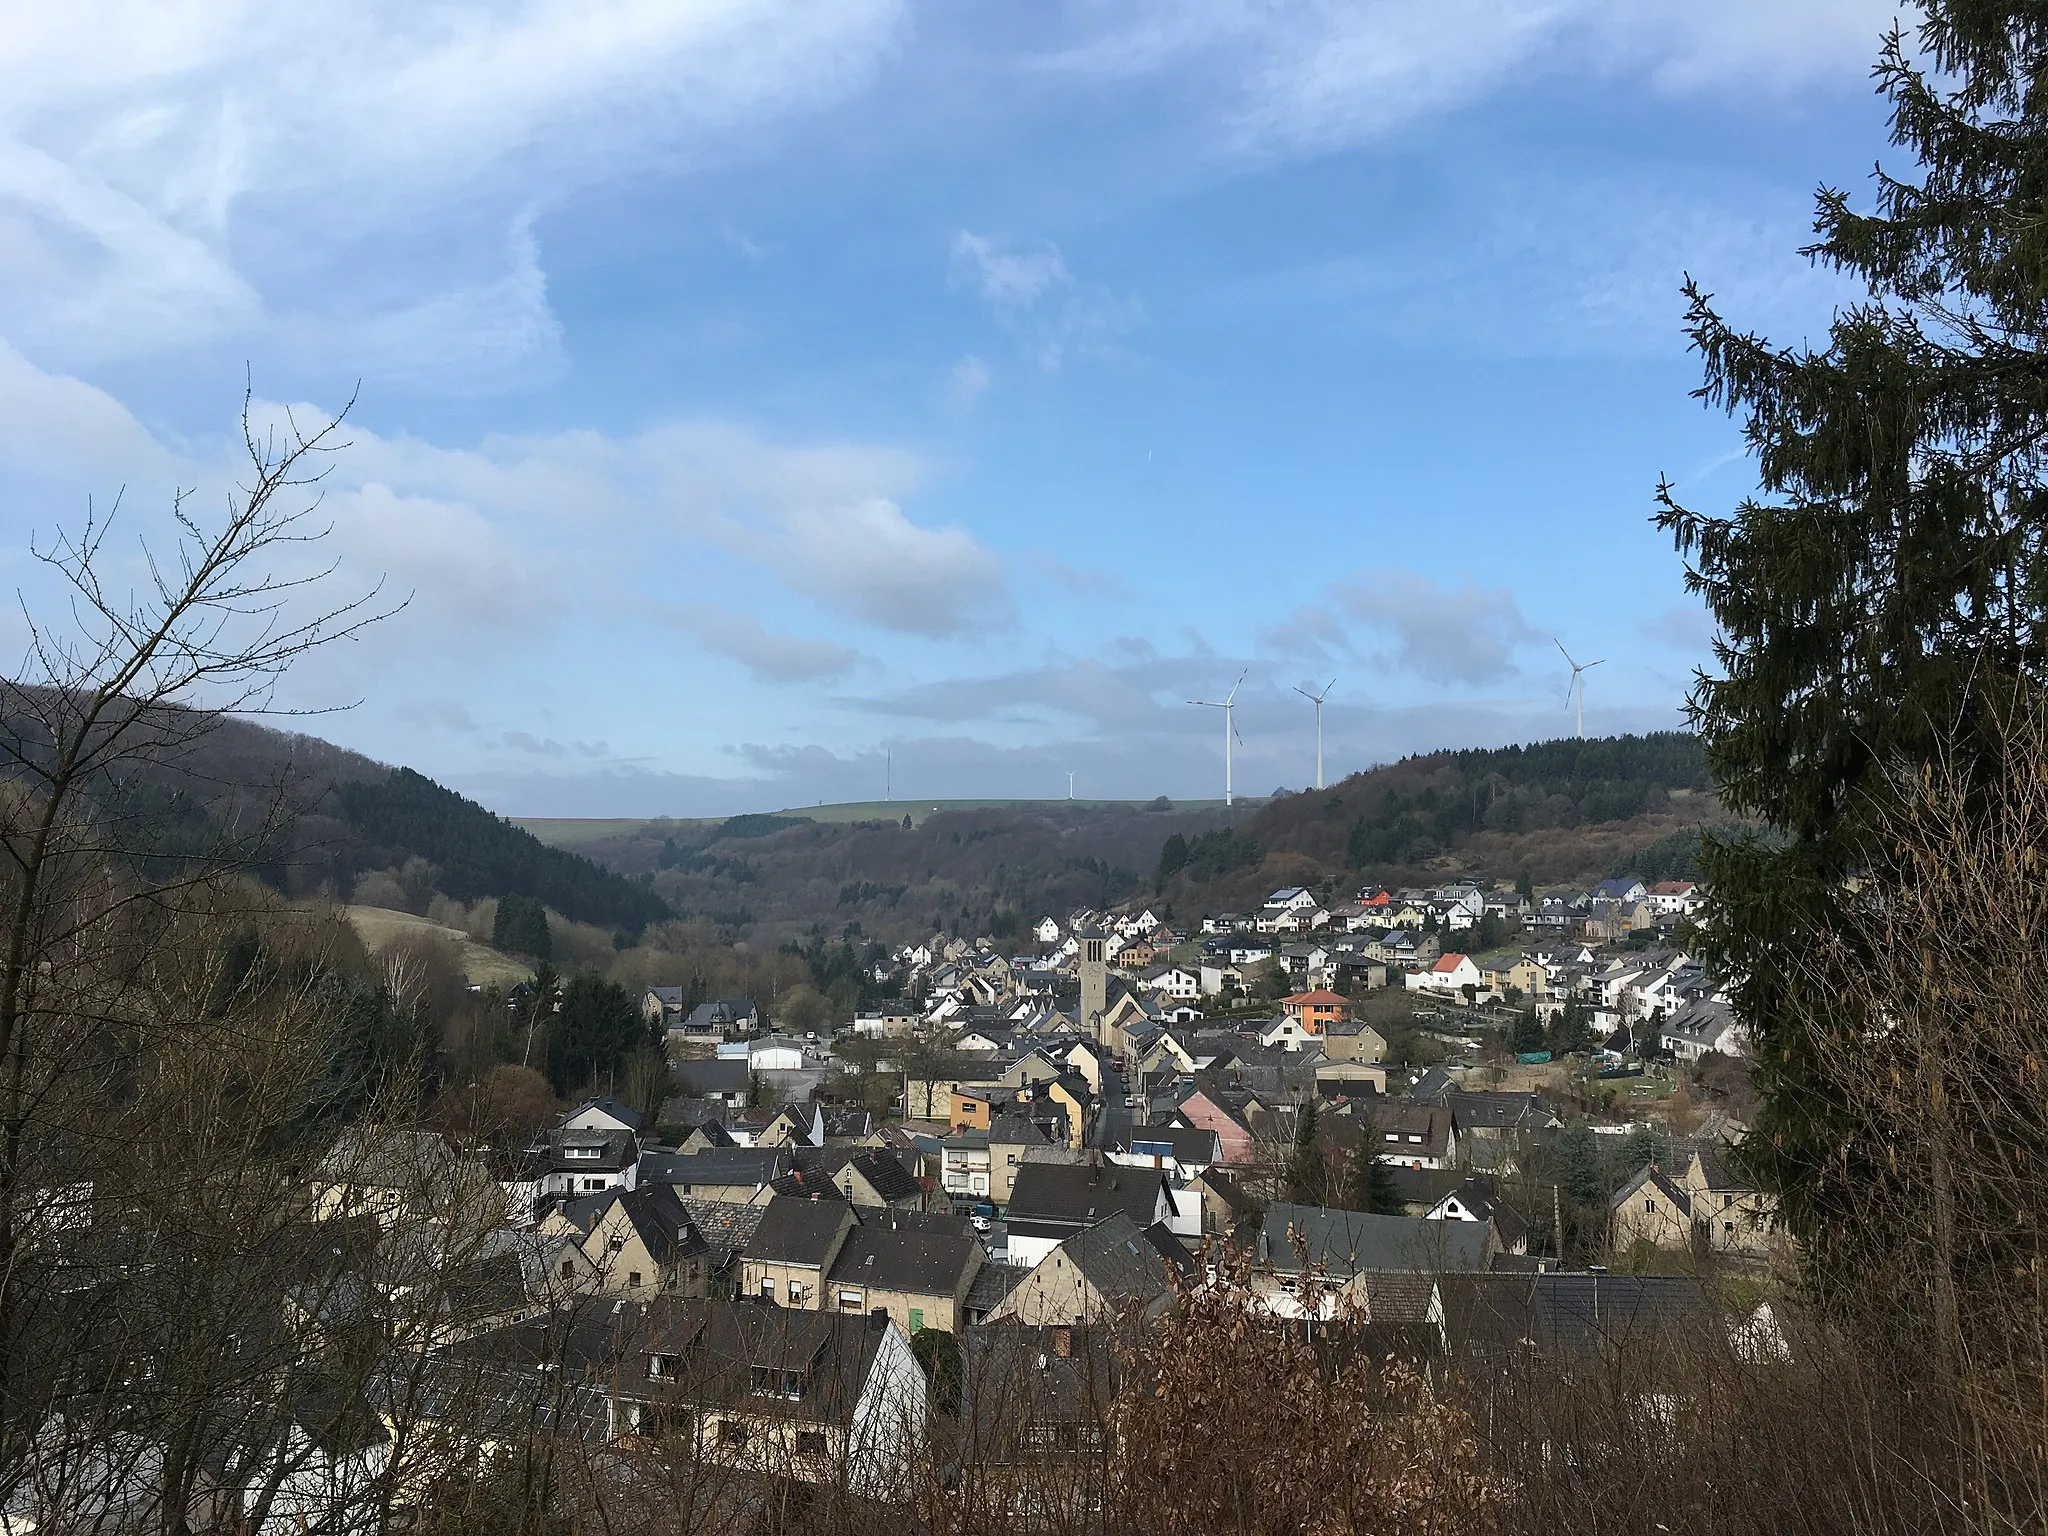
x=1351 y=1040
x=1353 y=1253
x=1046 y=931
x=964 y=1163
x=794 y=1125
x=1315 y=1011
x=1731 y=1214
x=877 y=1178
x=1095 y=1274
x=726 y=1019
x=776 y=1053
x=1293 y=898
x=589 y=1162
x=1677 y=898
x=1010 y=1139
x=1450 y=972
x=1036 y=1405
x=885 y=1022
x=786 y=1260
x=1050 y=1202
x=1705 y=1027
x=664 y=1007
x=916 y=1266
x=1498 y=1321
x=634 y=1243
x=388 y=1174
x=1478 y=1199
x=1650 y=1208
x=1510 y=975
x=1288 y=1033
x=1234 y=1135
x=1624 y=888
x=727 y=1176
x=810 y=1396
x=1181 y=1151
x=1175 y=981
x=728 y=1081
x=1416 y=1135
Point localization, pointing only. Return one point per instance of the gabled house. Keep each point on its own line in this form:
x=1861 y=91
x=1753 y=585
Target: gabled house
x=635 y=1243
x=1050 y=1202
x=1730 y=1212
x=917 y=1267
x=1651 y=1208
x=1416 y=1135
x=1093 y=1275
x=878 y=1178
x=1479 y=1199
x=791 y=1251
x=1232 y=1133
x=1316 y=1010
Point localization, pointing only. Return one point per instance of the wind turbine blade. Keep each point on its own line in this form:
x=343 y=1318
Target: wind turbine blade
x=1589 y=666
x=1326 y=689
x=1567 y=655
x=1569 y=687
x=1231 y=698
x=1305 y=693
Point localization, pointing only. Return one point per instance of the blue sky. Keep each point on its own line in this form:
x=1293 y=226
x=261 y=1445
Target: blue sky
x=750 y=391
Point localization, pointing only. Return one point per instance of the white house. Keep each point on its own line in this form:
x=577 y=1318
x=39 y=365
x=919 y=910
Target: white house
x=1452 y=972
x=1293 y=898
x=776 y=1053
x=1174 y=981
x=1047 y=931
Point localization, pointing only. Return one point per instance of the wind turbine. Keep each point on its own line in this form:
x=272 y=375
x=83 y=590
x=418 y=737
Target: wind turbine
x=1577 y=684
x=1228 y=703
x=1317 y=700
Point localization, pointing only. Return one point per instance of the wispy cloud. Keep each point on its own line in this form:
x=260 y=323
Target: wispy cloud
x=1008 y=276
x=767 y=656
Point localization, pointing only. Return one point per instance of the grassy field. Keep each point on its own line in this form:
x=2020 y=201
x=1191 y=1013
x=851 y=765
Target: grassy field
x=379 y=926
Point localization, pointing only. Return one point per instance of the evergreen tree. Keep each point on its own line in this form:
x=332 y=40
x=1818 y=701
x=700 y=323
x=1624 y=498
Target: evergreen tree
x=1881 y=601
x=1368 y=1182
x=521 y=928
x=596 y=1029
x=1525 y=885
x=1526 y=1033
x=1308 y=1171
x=1172 y=857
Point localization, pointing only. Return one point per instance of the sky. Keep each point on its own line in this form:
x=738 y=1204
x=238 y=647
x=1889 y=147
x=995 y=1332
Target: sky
x=764 y=404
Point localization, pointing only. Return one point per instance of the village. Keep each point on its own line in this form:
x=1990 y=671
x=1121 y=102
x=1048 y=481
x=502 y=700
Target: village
x=816 y=1246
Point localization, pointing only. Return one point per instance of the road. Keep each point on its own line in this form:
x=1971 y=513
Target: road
x=1114 y=1119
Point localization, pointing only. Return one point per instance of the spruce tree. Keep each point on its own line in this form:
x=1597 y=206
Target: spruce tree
x=1368 y=1182
x=1880 y=600
x=1308 y=1172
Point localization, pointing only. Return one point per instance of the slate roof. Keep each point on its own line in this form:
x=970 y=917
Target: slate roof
x=1720 y=1171
x=1502 y=1316
x=1070 y=1195
x=1658 y=1180
x=797 y=1231
x=720 y=1344
x=711 y=1169
x=885 y=1174
x=920 y=1260
x=992 y=1283
x=1126 y=1262
x=616 y=1151
x=1190 y=1144
x=726 y=1229
x=1423 y=1186
x=1343 y=1243
x=716 y=1076
x=618 y=1109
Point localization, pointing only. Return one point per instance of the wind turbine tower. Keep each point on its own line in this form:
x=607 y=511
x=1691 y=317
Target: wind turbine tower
x=1226 y=704
x=1577 y=685
x=1317 y=700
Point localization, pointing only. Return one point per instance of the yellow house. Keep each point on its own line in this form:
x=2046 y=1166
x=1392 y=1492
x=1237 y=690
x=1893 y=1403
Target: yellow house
x=1651 y=1208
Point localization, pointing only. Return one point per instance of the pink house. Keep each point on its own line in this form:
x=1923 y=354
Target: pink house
x=1203 y=1112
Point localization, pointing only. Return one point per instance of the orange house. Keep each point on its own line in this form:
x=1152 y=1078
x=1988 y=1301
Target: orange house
x=1316 y=1010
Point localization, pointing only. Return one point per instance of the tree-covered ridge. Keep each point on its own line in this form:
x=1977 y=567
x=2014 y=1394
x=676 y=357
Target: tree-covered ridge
x=479 y=854
x=1517 y=789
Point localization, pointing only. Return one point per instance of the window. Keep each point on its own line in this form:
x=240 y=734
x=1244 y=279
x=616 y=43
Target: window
x=568 y=1269
x=1728 y=1227
x=1649 y=1205
x=1393 y=1135
x=1413 y=1137
x=664 y=1367
x=731 y=1432
x=767 y=1287
x=616 y=1242
x=633 y=1280
x=796 y=1293
x=850 y=1301
x=810 y=1442
x=774 y=1381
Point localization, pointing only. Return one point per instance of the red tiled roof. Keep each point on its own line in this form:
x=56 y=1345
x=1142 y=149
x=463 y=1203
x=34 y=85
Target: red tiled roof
x=1448 y=963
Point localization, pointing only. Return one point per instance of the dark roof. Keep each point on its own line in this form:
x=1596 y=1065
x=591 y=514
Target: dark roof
x=618 y=1109
x=921 y=1260
x=715 y=1169
x=1719 y=1168
x=1423 y=1186
x=719 y=1014
x=992 y=1283
x=798 y=1231
x=1126 y=1262
x=718 y=1076
x=725 y=1228
x=1080 y=1194
x=885 y=1174
x=1186 y=1143
x=1494 y=1111
x=1344 y=1242
x=616 y=1151
x=1496 y=1316
x=1014 y=1130
x=821 y=1360
x=1481 y=1195
x=1655 y=1177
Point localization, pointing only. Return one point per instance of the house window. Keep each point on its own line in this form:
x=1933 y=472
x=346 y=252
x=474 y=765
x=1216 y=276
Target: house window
x=1728 y=1227
x=664 y=1367
x=850 y=1301
x=568 y=1269
x=1414 y=1138
x=731 y=1432
x=810 y=1442
x=768 y=1288
x=796 y=1293
x=772 y=1381
x=633 y=1280
x=1649 y=1205
x=1393 y=1135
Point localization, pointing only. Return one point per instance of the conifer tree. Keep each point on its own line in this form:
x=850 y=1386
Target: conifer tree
x=1308 y=1173
x=1880 y=601
x=1368 y=1182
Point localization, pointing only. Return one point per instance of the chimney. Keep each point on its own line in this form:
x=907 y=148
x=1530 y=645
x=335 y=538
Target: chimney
x=1063 y=1343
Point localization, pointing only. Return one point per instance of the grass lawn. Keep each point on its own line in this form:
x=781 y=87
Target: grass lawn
x=379 y=926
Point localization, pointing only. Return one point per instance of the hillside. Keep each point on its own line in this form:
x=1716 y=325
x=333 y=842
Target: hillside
x=985 y=868
x=1566 y=811
x=350 y=822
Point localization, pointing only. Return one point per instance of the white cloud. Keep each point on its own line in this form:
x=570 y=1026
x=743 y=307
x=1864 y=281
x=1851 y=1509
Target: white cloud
x=1308 y=75
x=1006 y=276
x=1464 y=634
x=145 y=150
x=767 y=656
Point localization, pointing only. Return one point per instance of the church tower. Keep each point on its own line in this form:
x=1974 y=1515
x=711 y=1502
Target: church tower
x=1094 y=973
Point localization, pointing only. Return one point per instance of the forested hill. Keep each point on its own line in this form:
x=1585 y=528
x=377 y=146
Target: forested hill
x=1563 y=810
x=352 y=818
